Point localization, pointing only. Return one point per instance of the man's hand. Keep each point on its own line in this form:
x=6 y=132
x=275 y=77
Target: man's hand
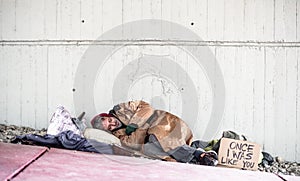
x=135 y=140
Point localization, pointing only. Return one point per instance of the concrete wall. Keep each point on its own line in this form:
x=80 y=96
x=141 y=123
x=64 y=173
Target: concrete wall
x=218 y=64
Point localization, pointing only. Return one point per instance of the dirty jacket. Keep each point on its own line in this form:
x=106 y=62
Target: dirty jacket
x=170 y=130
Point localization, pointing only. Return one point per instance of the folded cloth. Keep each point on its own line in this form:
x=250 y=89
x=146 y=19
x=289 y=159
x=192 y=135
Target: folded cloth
x=61 y=121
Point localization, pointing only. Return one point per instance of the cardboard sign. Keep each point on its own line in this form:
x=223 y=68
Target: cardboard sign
x=239 y=154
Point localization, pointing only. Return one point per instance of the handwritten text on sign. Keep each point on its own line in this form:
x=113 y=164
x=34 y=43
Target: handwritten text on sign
x=239 y=154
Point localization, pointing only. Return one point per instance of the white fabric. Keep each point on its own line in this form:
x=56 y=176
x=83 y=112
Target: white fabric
x=101 y=136
x=61 y=121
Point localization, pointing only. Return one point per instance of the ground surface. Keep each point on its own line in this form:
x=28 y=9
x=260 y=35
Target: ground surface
x=279 y=167
x=26 y=162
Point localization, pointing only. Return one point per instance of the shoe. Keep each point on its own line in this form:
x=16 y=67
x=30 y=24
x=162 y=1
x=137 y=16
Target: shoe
x=209 y=158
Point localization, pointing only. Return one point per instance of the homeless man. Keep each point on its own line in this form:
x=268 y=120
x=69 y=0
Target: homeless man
x=153 y=132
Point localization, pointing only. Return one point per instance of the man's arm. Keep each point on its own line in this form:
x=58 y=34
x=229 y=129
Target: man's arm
x=135 y=140
x=136 y=112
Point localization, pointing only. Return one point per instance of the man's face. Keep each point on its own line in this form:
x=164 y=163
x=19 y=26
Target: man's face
x=110 y=123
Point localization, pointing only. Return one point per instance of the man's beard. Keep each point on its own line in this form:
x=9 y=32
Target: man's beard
x=118 y=122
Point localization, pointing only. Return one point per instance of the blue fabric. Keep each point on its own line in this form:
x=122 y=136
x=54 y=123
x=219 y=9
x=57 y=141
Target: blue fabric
x=68 y=140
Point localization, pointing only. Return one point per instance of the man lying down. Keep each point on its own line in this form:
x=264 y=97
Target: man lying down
x=135 y=126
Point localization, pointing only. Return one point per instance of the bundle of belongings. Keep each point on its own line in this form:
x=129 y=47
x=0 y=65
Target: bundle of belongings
x=67 y=132
x=71 y=133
